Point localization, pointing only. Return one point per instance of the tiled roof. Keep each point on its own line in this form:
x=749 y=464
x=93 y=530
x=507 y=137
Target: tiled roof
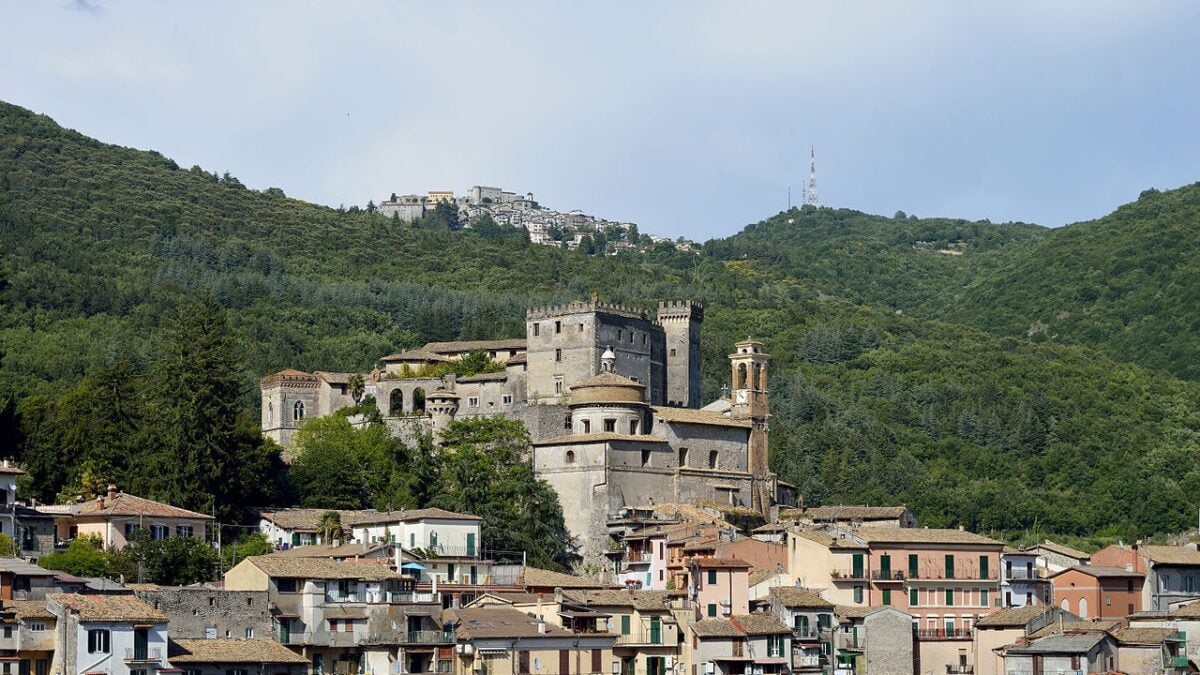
x=231 y=651
x=29 y=609
x=1013 y=617
x=22 y=568
x=305 y=520
x=915 y=535
x=608 y=380
x=640 y=600
x=7 y=468
x=517 y=360
x=772 y=527
x=1064 y=550
x=790 y=596
x=721 y=563
x=1171 y=555
x=104 y=607
x=1190 y=610
x=415 y=355
x=715 y=628
x=500 y=622
x=323 y=551
x=484 y=377
x=600 y=437
x=1061 y=644
x=1101 y=572
x=830 y=513
x=472 y=345
x=129 y=505
x=852 y=611
x=334 y=378
x=535 y=577
x=692 y=416
x=436 y=514
x=321 y=568
x=759 y=624
x=707 y=544
x=1143 y=636
x=1077 y=626
x=760 y=576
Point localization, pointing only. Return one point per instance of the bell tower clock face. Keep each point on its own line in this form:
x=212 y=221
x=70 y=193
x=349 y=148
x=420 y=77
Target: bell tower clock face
x=741 y=396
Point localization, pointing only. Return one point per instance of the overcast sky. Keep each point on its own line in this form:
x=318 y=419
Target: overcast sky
x=688 y=118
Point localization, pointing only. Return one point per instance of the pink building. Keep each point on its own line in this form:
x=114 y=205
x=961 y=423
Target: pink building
x=719 y=586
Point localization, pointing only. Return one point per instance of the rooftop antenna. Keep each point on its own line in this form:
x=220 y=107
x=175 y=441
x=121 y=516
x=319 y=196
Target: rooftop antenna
x=810 y=194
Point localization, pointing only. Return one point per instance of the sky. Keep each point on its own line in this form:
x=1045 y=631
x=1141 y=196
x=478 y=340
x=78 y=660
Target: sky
x=689 y=118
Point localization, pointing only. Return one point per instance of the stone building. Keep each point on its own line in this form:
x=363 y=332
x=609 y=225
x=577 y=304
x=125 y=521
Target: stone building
x=201 y=612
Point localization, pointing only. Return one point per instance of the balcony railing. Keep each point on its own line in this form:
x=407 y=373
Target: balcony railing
x=638 y=557
x=808 y=632
x=960 y=669
x=943 y=634
x=1177 y=662
x=425 y=637
x=956 y=575
x=813 y=661
x=855 y=643
x=150 y=654
x=888 y=575
x=849 y=575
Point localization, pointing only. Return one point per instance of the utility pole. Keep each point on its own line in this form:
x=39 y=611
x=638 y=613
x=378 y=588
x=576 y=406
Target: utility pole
x=810 y=193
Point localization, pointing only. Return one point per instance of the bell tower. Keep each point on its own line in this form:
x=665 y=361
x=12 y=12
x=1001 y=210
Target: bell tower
x=748 y=394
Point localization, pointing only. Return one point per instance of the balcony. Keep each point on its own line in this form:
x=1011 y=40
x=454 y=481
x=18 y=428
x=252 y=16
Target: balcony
x=637 y=557
x=942 y=634
x=848 y=575
x=423 y=637
x=146 y=655
x=956 y=575
x=852 y=643
x=888 y=575
x=809 y=633
x=1017 y=574
x=810 y=662
x=960 y=669
x=1177 y=662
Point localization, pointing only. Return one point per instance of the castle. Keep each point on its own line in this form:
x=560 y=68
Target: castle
x=611 y=399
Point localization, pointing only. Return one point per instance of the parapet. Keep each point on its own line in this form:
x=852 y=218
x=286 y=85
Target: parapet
x=680 y=309
x=585 y=307
x=290 y=378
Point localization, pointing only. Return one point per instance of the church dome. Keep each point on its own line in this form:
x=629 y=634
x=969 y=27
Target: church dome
x=608 y=388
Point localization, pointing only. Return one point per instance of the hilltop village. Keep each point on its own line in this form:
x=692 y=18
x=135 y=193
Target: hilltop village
x=696 y=558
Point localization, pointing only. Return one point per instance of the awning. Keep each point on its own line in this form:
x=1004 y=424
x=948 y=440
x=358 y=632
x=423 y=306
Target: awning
x=413 y=566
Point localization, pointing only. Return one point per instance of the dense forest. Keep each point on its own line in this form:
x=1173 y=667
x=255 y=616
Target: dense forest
x=117 y=259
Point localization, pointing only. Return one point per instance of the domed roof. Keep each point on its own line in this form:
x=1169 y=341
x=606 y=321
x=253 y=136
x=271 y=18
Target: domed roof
x=608 y=388
x=441 y=392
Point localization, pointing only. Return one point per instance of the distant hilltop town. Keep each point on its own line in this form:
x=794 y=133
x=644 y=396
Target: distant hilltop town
x=570 y=229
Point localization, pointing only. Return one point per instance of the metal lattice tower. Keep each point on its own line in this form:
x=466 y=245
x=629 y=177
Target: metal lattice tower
x=810 y=193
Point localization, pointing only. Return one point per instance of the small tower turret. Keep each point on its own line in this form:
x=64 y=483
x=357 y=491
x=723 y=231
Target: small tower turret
x=442 y=406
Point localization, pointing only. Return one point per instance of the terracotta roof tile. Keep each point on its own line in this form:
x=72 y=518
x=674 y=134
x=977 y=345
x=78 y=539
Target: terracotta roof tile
x=103 y=607
x=1171 y=555
x=535 y=577
x=1101 y=572
x=915 y=535
x=472 y=345
x=129 y=505
x=692 y=416
x=1012 y=617
x=715 y=628
x=759 y=624
x=1064 y=550
x=29 y=609
x=640 y=600
x=832 y=513
x=476 y=623
x=1143 y=636
x=790 y=596
x=231 y=651
x=321 y=568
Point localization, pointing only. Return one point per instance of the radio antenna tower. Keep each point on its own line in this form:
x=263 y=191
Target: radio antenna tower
x=810 y=193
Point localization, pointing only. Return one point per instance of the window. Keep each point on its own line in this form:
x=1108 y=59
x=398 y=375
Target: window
x=624 y=624
x=983 y=567
x=683 y=457
x=610 y=425
x=620 y=334
x=98 y=641
x=537 y=329
x=570 y=457
x=712 y=577
x=37 y=625
x=558 y=356
x=672 y=351
x=159 y=532
x=949 y=566
x=298 y=411
x=506 y=399
x=912 y=566
x=914 y=597
x=983 y=597
x=887 y=596
x=949 y=597
x=712 y=459
x=712 y=609
x=586 y=425
x=270 y=413
x=285 y=585
x=235 y=671
x=567 y=421
x=858 y=594
x=645 y=458
x=633 y=427
x=557 y=327
x=581 y=328
x=183 y=531
x=130 y=529
x=249 y=633
x=558 y=384
x=472 y=401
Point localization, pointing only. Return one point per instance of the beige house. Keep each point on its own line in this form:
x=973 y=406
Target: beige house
x=505 y=641
x=115 y=516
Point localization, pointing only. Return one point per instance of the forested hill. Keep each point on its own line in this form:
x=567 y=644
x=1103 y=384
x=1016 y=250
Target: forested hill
x=104 y=244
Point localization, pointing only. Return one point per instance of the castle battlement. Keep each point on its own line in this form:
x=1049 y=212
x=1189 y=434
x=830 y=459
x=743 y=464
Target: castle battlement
x=583 y=307
x=680 y=309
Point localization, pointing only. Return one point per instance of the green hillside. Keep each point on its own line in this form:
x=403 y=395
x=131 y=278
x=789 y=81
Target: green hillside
x=104 y=244
x=1128 y=283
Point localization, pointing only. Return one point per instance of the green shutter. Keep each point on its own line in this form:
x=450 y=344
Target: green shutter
x=983 y=567
x=949 y=566
x=858 y=565
x=949 y=597
x=655 y=630
x=912 y=565
x=887 y=596
x=858 y=594
x=913 y=596
x=712 y=576
x=712 y=609
x=885 y=566
x=625 y=624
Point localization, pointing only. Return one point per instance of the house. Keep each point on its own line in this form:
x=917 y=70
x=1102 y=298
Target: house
x=208 y=612
x=738 y=644
x=811 y=619
x=1083 y=652
x=8 y=498
x=292 y=527
x=223 y=656
x=345 y=615
x=1010 y=626
x=1172 y=573
x=858 y=516
x=505 y=641
x=114 y=634
x=29 y=630
x=1094 y=591
x=1151 y=650
x=874 y=640
x=1022 y=581
x=20 y=580
x=1054 y=557
x=646 y=624
x=1184 y=619
x=719 y=587
x=115 y=516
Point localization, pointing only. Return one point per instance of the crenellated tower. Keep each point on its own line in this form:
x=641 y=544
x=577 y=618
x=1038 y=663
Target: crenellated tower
x=681 y=321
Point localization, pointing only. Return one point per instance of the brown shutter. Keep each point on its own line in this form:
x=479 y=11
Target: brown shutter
x=522 y=661
x=564 y=662
x=597 y=658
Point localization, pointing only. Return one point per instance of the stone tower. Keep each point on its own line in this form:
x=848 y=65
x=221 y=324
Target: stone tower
x=681 y=321
x=749 y=398
x=442 y=406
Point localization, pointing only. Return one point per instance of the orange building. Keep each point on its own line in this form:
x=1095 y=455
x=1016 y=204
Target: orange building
x=1098 y=592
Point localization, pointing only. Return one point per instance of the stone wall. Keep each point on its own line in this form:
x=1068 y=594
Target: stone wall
x=889 y=642
x=194 y=611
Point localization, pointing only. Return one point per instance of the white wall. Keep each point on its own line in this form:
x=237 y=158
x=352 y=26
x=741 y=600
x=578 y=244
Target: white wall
x=120 y=640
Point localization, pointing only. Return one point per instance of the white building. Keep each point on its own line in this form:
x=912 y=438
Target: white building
x=113 y=634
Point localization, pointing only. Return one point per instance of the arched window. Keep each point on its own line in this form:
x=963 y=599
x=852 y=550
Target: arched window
x=570 y=457
x=1083 y=608
x=270 y=413
x=298 y=411
x=396 y=403
x=418 y=401
x=741 y=378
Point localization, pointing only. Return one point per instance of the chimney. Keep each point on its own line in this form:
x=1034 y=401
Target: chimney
x=961 y=528
x=112 y=491
x=558 y=595
x=541 y=624
x=6 y=463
